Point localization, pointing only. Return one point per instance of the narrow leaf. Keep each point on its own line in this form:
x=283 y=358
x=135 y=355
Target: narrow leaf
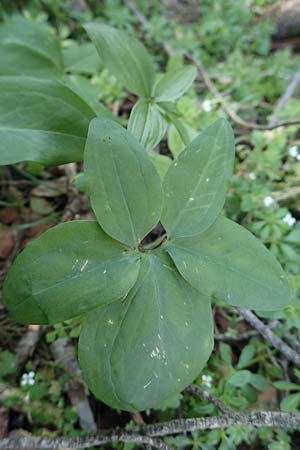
x=42 y=121
x=139 y=353
x=125 y=57
x=228 y=262
x=195 y=185
x=69 y=270
x=147 y=124
x=174 y=84
x=29 y=48
x=176 y=137
x=124 y=187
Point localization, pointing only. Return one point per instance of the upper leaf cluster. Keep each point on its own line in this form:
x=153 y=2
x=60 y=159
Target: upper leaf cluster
x=45 y=106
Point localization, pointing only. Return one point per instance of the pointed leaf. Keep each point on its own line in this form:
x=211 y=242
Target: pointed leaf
x=290 y=403
x=174 y=84
x=126 y=58
x=29 y=48
x=42 y=121
x=228 y=262
x=161 y=162
x=195 y=184
x=139 y=353
x=124 y=187
x=240 y=378
x=82 y=59
x=147 y=124
x=89 y=93
x=69 y=270
x=175 y=141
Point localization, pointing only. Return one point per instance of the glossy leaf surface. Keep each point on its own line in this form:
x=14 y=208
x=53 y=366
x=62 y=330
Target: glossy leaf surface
x=69 y=270
x=195 y=185
x=139 y=353
x=126 y=58
x=124 y=187
x=147 y=124
x=29 y=48
x=42 y=121
x=174 y=84
x=228 y=262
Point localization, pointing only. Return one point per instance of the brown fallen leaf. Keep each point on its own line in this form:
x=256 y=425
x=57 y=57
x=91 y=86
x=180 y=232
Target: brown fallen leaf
x=6 y=243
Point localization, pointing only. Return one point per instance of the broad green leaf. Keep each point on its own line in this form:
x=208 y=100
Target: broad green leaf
x=29 y=48
x=69 y=270
x=81 y=59
x=195 y=185
x=228 y=262
x=290 y=403
x=174 y=84
x=147 y=124
x=126 y=58
x=161 y=162
x=240 y=378
x=42 y=121
x=259 y=382
x=89 y=92
x=123 y=185
x=137 y=354
x=175 y=141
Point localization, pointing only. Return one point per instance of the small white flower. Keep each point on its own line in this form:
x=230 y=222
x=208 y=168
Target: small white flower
x=207 y=106
x=268 y=201
x=294 y=152
x=207 y=380
x=289 y=219
x=252 y=176
x=27 y=379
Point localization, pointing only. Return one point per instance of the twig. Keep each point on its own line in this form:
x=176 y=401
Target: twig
x=138 y=419
x=207 y=79
x=246 y=335
x=147 y=433
x=34 y=443
x=284 y=99
x=267 y=333
x=197 y=390
x=27 y=344
x=239 y=337
x=292 y=192
x=65 y=354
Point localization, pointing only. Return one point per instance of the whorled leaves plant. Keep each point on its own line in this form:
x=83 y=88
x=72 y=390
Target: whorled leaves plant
x=147 y=330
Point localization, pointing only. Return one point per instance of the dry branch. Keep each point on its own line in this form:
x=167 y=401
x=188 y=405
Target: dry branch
x=196 y=390
x=265 y=331
x=148 y=433
x=65 y=354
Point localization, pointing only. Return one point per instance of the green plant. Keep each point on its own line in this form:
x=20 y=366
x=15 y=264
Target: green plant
x=46 y=104
x=148 y=328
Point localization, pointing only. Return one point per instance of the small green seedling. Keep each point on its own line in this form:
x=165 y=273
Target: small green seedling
x=148 y=328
